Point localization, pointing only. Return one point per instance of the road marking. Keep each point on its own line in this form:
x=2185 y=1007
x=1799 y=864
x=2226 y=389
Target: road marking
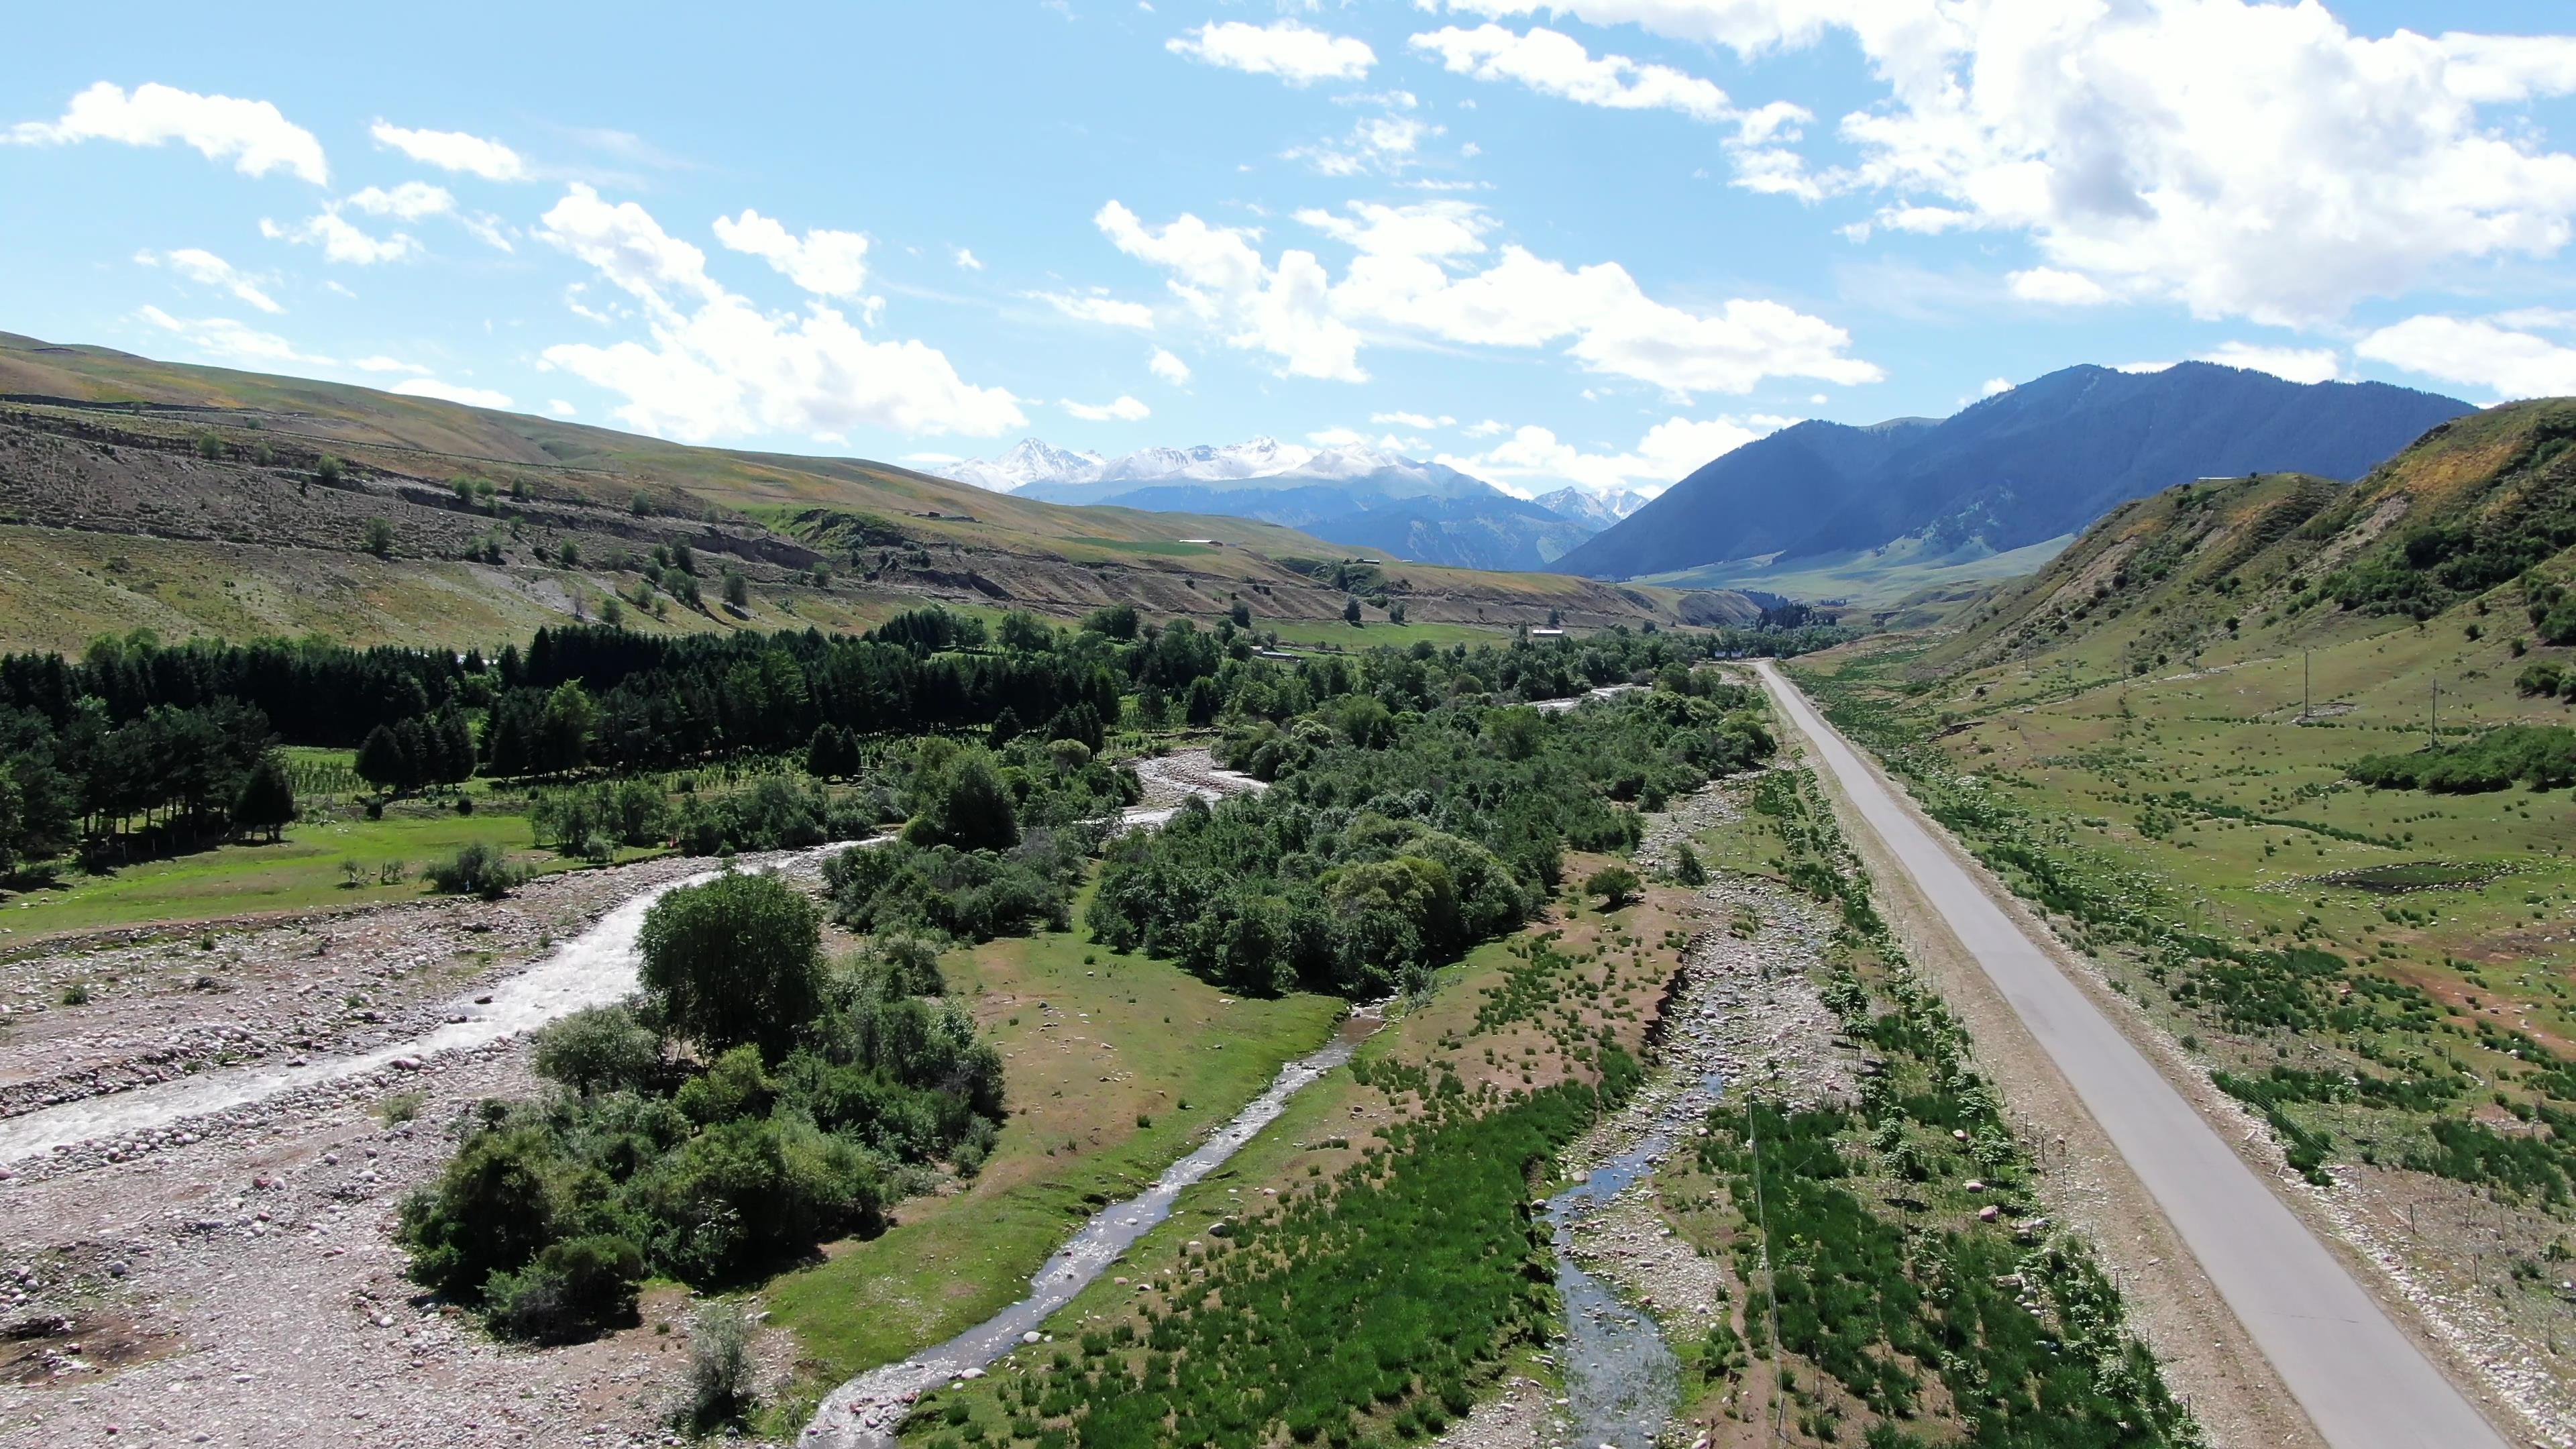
x=2363 y=1383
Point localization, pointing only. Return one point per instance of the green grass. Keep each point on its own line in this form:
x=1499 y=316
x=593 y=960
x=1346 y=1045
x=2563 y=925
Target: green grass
x=1162 y=548
x=1377 y=633
x=1156 y=1039
x=301 y=873
x=1870 y=578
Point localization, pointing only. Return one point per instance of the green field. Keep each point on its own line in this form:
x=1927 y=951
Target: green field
x=301 y=873
x=1377 y=633
x=1142 y=1061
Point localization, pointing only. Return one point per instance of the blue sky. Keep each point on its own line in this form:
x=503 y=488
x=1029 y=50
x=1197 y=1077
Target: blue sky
x=1593 y=242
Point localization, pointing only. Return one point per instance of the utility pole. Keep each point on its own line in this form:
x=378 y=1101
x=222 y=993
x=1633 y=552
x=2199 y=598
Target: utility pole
x=2303 y=686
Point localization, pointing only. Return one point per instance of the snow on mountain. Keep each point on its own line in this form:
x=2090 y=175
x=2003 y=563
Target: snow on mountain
x=1584 y=506
x=1029 y=461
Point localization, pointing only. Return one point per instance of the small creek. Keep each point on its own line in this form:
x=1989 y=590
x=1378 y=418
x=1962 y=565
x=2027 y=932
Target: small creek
x=863 y=1413
x=1622 y=1382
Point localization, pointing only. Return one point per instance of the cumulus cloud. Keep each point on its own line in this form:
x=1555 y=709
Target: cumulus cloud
x=1387 y=144
x=473 y=397
x=207 y=269
x=1168 y=367
x=1556 y=64
x=826 y=263
x=2480 y=352
x=2298 y=364
x=454 y=151
x=1097 y=307
x=1297 y=54
x=967 y=261
x=1995 y=387
x=561 y=409
x=2244 y=159
x=1124 y=410
x=1398 y=285
x=340 y=241
x=254 y=135
x=408 y=202
x=1533 y=460
x=1422 y=421
x=386 y=364
x=716 y=366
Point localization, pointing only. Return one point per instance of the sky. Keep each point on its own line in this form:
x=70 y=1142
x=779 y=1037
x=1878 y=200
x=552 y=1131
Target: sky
x=1595 y=242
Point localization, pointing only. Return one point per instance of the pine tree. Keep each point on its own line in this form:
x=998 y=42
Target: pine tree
x=267 y=800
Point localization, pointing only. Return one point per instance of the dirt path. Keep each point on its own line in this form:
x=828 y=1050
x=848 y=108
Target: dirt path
x=2291 y=1316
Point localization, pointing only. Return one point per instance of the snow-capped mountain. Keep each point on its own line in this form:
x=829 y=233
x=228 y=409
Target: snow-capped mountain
x=1028 y=461
x=1357 y=495
x=1584 y=506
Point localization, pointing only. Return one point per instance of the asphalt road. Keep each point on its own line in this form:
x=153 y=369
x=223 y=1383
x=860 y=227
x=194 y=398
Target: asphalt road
x=2363 y=1383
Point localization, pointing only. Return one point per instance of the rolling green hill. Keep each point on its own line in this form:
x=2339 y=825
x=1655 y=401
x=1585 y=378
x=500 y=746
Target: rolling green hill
x=137 y=493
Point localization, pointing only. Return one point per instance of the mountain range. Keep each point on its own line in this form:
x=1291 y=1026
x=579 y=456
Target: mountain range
x=2033 y=464
x=1367 y=498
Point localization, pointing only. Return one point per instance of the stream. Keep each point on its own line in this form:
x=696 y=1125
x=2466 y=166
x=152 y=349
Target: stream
x=864 y=1412
x=1622 y=1382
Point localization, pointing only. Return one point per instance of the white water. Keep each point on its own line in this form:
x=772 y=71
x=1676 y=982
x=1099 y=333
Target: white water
x=863 y=1413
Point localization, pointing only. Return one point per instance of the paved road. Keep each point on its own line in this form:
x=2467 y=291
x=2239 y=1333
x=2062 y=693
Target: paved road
x=2363 y=1382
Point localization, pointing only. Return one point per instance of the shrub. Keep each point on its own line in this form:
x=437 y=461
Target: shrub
x=379 y=537
x=736 y=960
x=602 y=1048
x=574 y=1290
x=480 y=868
x=1687 y=870
x=2540 y=756
x=720 y=1370
x=1614 y=884
x=964 y=803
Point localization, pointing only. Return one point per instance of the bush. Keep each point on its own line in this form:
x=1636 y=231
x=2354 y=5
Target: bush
x=602 y=1049
x=973 y=895
x=736 y=960
x=574 y=1290
x=1687 y=871
x=1615 y=885
x=720 y=1370
x=480 y=868
x=2540 y=756
x=492 y=1210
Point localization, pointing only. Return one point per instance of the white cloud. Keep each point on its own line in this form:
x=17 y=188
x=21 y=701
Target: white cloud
x=207 y=269
x=1315 y=327
x=967 y=261
x=2478 y=352
x=1995 y=387
x=2297 y=364
x=386 y=364
x=1533 y=460
x=2149 y=366
x=1297 y=54
x=1336 y=438
x=340 y=241
x=473 y=397
x=933 y=459
x=1421 y=421
x=254 y=135
x=1168 y=367
x=561 y=409
x=717 y=366
x=2057 y=288
x=1124 y=410
x=1488 y=429
x=225 y=338
x=1556 y=64
x=2245 y=159
x=1426 y=229
x=826 y=263
x=408 y=202
x=1094 y=307
x=454 y=151
x=1388 y=144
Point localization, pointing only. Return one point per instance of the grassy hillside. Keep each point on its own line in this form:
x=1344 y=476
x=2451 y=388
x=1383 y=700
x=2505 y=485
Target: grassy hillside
x=2156 y=739
x=205 y=477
